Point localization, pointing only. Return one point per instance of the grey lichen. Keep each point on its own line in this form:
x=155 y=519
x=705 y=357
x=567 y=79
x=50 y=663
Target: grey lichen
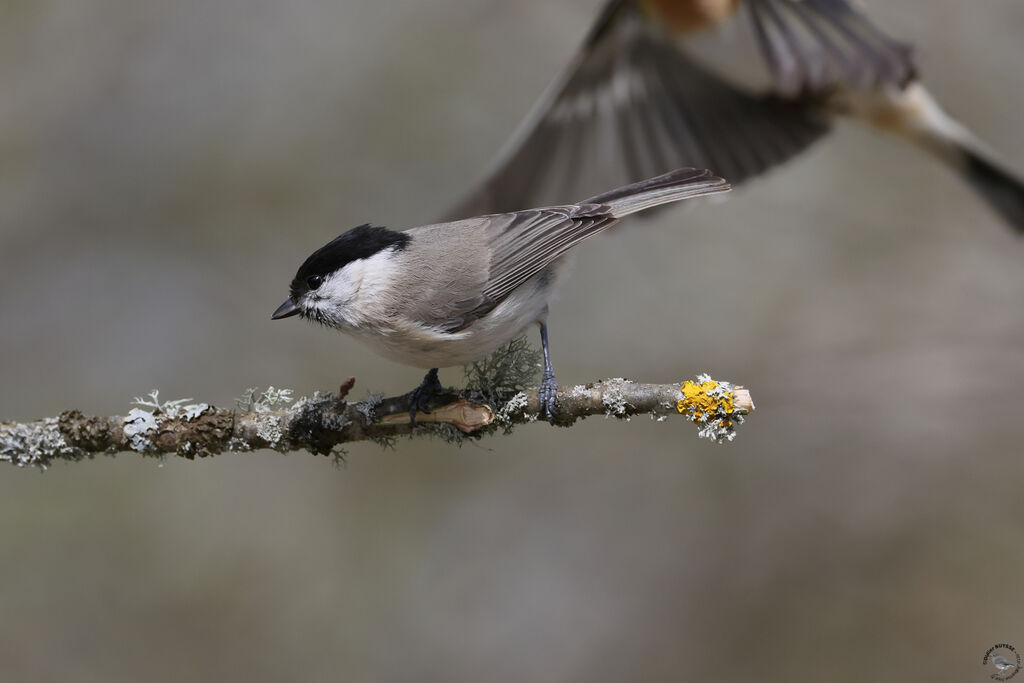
x=321 y=405
x=498 y=382
x=368 y=407
x=580 y=391
x=137 y=424
x=338 y=457
x=238 y=445
x=268 y=428
x=177 y=408
x=511 y=368
x=513 y=407
x=272 y=398
x=154 y=401
x=252 y=401
x=335 y=422
x=141 y=425
x=613 y=399
x=35 y=444
x=448 y=433
x=313 y=400
x=385 y=441
x=194 y=410
x=268 y=425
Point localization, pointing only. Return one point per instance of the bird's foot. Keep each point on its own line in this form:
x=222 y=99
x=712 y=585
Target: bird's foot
x=546 y=394
x=419 y=398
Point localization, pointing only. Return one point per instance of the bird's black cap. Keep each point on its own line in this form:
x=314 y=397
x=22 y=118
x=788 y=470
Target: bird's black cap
x=360 y=242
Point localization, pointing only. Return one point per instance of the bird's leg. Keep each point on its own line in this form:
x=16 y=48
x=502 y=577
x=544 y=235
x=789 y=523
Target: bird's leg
x=546 y=393
x=420 y=397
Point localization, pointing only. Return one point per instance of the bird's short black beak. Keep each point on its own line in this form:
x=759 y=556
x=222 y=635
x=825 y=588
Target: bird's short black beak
x=285 y=310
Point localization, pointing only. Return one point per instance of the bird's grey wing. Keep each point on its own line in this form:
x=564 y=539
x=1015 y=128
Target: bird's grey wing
x=508 y=249
x=526 y=242
x=813 y=45
x=441 y=277
x=631 y=105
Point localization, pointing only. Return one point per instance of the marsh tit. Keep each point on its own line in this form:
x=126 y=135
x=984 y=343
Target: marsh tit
x=734 y=85
x=451 y=293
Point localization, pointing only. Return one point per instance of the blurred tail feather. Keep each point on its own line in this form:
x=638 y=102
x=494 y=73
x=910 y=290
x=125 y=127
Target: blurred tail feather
x=1001 y=189
x=915 y=115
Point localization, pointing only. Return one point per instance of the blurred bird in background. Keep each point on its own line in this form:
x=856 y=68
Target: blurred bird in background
x=737 y=86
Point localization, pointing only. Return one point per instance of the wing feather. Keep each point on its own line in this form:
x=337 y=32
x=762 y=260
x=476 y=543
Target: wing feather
x=637 y=100
x=814 y=45
x=631 y=105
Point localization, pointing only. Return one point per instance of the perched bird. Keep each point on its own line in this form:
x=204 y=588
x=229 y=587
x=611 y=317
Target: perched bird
x=451 y=293
x=737 y=86
x=1004 y=667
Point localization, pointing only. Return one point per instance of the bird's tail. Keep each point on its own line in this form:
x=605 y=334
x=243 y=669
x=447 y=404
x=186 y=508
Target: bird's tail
x=1003 y=191
x=669 y=187
x=915 y=115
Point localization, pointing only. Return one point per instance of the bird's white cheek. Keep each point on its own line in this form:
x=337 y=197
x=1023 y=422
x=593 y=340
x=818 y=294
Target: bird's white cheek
x=340 y=288
x=333 y=300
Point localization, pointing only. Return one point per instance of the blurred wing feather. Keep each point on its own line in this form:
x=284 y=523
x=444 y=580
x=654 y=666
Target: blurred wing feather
x=813 y=45
x=629 y=106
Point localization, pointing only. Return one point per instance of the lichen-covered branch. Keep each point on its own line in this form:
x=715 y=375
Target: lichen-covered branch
x=321 y=424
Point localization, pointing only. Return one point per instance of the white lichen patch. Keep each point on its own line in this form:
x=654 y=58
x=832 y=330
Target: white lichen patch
x=273 y=398
x=237 y=445
x=304 y=401
x=613 y=399
x=255 y=402
x=580 y=391
x=193 y=410
x=368 y=407
x=515 y=406
x=35 y=444
x=177 y=409
x=153 y=401
x=268 y=428
x=137 y=425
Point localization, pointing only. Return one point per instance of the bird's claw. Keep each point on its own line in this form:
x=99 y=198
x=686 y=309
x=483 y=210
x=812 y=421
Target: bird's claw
x=419 y=398
x=546 y=394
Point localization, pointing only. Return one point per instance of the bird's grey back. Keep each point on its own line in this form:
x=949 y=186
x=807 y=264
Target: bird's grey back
x=447 y=280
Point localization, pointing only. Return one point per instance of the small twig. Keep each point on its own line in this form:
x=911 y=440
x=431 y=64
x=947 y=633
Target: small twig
x=322 y=423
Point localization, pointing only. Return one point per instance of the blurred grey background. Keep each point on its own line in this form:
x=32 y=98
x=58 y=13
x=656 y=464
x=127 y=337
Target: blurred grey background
x=164 y=167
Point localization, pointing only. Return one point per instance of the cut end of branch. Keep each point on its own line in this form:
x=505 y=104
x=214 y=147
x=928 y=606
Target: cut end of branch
x=467 y=417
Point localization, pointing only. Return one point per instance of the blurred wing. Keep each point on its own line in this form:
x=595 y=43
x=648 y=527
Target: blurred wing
x=813 y=45
x=629 y=106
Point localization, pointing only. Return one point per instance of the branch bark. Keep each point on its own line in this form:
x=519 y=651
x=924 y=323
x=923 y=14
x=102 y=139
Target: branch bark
x=322 y=424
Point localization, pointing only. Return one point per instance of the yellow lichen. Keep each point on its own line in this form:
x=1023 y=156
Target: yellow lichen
x=712 y=406
x=699 y=400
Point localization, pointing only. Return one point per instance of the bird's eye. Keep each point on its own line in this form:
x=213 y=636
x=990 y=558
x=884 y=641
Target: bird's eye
x=315 y=281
